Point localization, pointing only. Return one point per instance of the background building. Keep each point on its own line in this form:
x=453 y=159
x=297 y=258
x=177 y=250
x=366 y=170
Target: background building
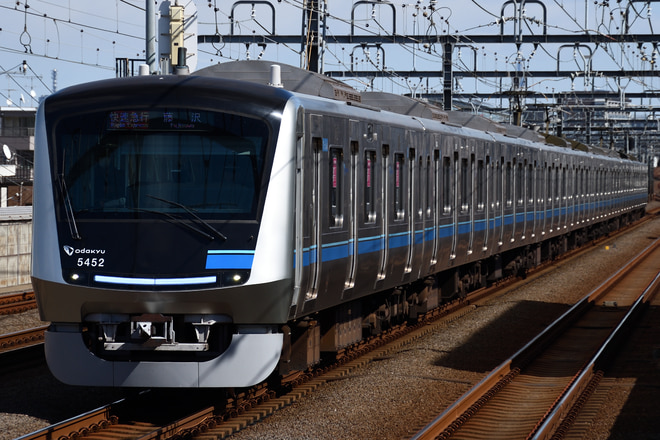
x=17 y=155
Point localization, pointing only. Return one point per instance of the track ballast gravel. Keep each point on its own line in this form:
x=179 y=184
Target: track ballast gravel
x=392 y=397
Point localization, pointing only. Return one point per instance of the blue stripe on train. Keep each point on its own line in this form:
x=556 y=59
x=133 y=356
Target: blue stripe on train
x=230 y=259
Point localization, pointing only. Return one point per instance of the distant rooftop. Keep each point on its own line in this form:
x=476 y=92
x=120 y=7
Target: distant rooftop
x=12 y=213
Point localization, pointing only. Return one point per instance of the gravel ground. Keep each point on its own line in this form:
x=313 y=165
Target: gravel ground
x=430 y=374
x=418 y=382
x=631 y=387
x=22 y=321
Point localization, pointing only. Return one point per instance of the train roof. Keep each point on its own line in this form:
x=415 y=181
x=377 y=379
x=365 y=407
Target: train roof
x=293 y=79
x=302 y=81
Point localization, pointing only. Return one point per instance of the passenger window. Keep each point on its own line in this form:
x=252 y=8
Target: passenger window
x=465 y=185
x=530 y=184
x=336 y=187
x=430 y=187
x=481 y=189
x=369 y=187
x=520 y=196
x=508 y=184
x=499 y=196
x=446 y=185
x=399 y=190
x=421 y=189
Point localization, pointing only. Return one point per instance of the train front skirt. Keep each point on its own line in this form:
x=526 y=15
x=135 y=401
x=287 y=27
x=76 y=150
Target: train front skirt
x=250 y=358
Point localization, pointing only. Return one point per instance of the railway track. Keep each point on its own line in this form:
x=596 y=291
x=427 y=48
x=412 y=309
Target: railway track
x=18 y=302
x=222 y=418
x=13 y=304
x=22 y=339
x=538 y=392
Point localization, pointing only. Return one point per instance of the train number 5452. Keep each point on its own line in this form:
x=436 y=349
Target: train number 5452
x=91 y=262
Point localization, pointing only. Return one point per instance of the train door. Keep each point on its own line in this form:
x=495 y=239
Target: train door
x=545 y=184
x=601 y=193
x=384 y=186
x=470 y=181
x=487 y=211
x=435 y=203
x=492 y=188
x=590 y=195
x=354 y=198
x=554 y=191
x=522 y=197
x=573 y=195
x=596 y=189
x=558 y=196
x=455 y=205
x=480 y=203
x=426 y=207
x=515 y=189
x=463 y=228
x=311 y=232
x=445 y=230
x=499 y=199
x=561 y=195
x=325 y=200
x=585 y=194
x=609 y=187
x=550 y=196
x=508 y=222
x=366 y=229
x=572 y=188
x=557 y=212
x=616 y=193
x=412 y=197
x=534 y=196
x=301 y=219
x=529 y=199
x=564 y=196
x=581 y=190
x=479 y=214
x=399 y=224
x=335 y=209
x=547 y=219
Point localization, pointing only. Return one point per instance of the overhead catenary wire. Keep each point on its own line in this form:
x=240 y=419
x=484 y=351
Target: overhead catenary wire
x=424 y=17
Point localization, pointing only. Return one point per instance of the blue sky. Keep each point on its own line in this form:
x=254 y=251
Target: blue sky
x=80 y=40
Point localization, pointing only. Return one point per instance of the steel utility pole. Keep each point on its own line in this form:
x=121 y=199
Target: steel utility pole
x=313 y=35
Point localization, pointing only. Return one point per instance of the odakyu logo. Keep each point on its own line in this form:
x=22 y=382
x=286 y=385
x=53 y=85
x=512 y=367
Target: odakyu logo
x=70 y=251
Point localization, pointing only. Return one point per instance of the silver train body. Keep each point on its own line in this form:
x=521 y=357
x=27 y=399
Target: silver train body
x=199 y=231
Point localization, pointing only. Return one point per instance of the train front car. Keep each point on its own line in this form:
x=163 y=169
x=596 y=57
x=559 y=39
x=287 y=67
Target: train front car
x=162 y=247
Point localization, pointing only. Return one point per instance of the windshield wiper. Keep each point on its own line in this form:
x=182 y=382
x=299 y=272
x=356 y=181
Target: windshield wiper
x=207 y=225
x=71 y=219
x=177 y=220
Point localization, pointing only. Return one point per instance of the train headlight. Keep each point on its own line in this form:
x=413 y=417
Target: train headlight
x=235 y=277
x=75 y=277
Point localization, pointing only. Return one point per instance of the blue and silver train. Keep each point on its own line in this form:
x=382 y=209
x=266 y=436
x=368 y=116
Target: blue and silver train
x=208 y=230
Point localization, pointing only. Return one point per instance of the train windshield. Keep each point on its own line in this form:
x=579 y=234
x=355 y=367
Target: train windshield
x=139 y=163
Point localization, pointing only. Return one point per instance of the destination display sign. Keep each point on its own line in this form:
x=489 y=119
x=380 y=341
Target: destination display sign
x=162 y=119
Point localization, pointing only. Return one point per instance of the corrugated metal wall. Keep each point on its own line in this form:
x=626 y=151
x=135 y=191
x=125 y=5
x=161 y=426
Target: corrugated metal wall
x=15 y=252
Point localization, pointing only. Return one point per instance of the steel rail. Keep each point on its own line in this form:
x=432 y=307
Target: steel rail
x=17 y=303
x=22 y=338
x=470 y=403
